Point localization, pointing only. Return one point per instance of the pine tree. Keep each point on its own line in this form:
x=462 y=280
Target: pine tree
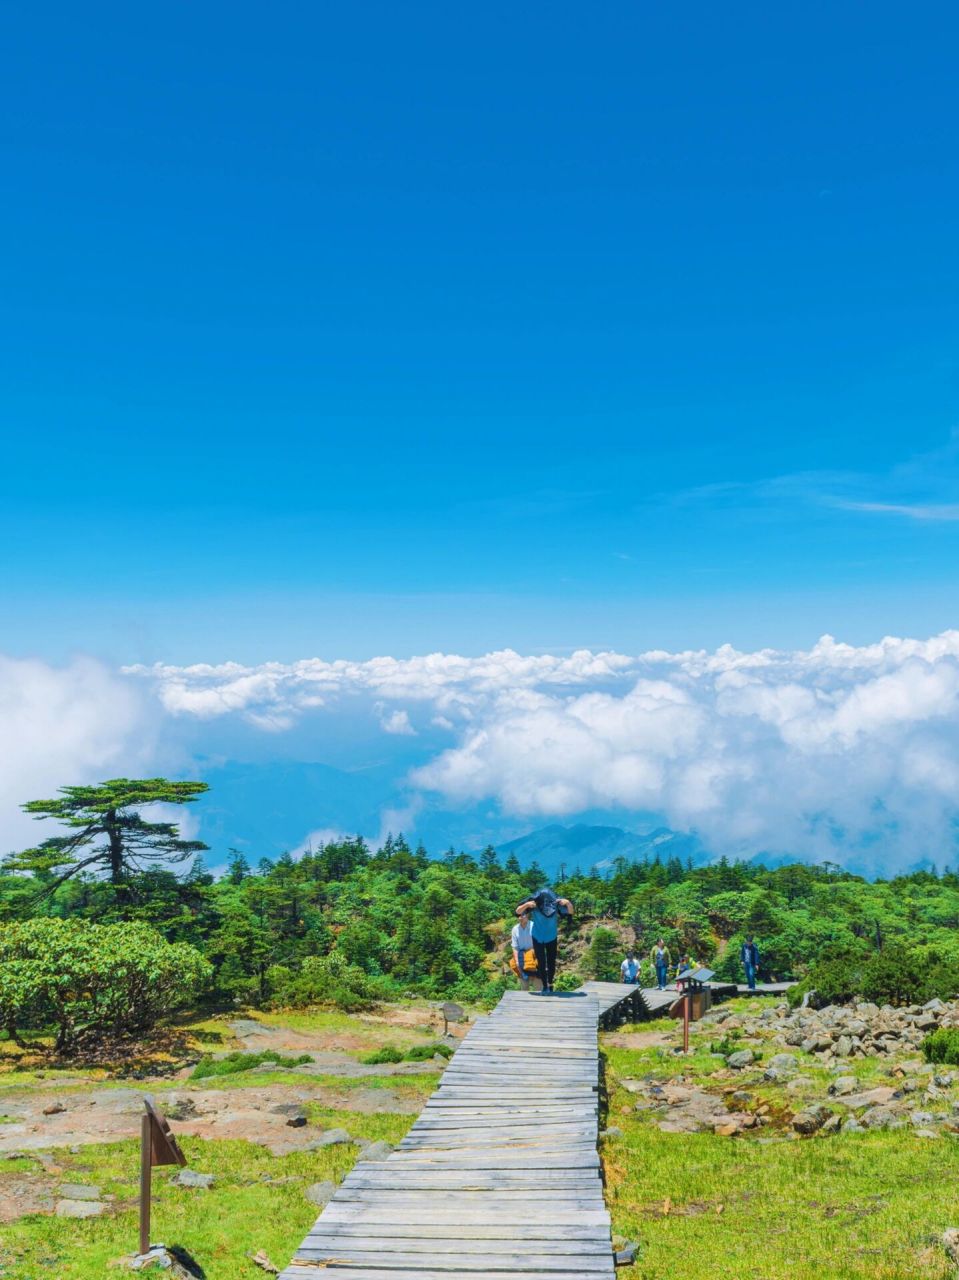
x=106 y=831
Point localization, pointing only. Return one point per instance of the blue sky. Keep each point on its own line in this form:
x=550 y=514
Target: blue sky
x=363 y=329
x=344 y=331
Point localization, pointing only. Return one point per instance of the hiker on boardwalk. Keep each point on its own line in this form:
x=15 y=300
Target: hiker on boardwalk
x=546 y=908
x=630 y=967
x=659 y=958
x=749 y=955
x=522 y=942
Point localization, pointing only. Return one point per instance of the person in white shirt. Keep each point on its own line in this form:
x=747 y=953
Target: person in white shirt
x=630 y=967
x=522 y=939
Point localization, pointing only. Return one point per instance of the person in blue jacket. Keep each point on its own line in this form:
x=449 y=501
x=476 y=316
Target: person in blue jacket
x=749 y=955
x=546 y=908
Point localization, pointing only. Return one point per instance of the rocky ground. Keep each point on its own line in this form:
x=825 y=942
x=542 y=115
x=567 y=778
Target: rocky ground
x=68 y=1112
x=780 y=1074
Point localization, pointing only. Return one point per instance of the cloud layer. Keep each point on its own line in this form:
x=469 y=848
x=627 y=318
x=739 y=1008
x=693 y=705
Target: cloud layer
x=814 y=753
x=58 y=725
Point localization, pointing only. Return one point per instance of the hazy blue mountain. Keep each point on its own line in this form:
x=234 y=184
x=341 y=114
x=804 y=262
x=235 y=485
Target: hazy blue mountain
x=587 y=846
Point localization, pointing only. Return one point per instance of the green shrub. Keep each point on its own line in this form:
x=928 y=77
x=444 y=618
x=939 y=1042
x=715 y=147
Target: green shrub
x=389 y=1053
x=835 y=978
x=942 y=1046
x=603 y=955
x=329 y=980
x=941 y=981
x=233 y=1063
x=93 y=981
x=568 y=982
x=423 y=1052
x=894 y=976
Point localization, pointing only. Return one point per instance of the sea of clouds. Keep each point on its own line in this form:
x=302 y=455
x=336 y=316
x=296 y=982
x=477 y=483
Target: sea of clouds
x=812 y=753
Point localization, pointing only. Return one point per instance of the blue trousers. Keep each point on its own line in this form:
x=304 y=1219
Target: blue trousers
x=750 y=975
x=661 y=976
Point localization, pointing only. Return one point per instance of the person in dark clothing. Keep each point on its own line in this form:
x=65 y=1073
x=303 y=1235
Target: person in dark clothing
x=749 y=955
x=546 y=908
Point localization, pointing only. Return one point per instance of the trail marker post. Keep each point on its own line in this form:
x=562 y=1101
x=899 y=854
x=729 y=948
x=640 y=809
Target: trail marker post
x=157 y=1146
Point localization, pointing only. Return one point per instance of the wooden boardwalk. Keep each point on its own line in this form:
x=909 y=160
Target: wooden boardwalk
x=500 y=1174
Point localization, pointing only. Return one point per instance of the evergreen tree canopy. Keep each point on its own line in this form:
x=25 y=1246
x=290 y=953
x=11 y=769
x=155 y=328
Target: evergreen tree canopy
x=106 y=831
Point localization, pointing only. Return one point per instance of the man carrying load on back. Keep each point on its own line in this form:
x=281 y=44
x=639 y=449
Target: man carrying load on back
x=546 y=908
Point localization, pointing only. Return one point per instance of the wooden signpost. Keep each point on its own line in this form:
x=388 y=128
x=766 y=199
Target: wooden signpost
x=157 y=1146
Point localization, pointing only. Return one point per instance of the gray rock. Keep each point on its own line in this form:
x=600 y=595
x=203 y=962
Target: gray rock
x=295 y=1114
x=811 y=1120
x=798 y=1083
x=321 y=1193
x=843 y=1085
x=944 y=1080
x=843 y=1047
x=925 y=1133
x=922 y=1119
x=331 y=1138
x=190 y=1178
x=784 y=1062
x=79 y=1208
x=377 y=1150
x=626 y=1256
x=612 y=1132
x=743 y=1058
x=75 y=1191
x=881 y=1118
x=181 y=1109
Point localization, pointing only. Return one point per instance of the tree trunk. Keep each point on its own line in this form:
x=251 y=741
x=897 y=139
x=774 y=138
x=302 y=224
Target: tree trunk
x=116 y=847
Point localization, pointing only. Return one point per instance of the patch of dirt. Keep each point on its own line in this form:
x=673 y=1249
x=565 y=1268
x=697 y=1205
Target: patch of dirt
x=640 y=1039
x=111 y=1115
x=21 y=1195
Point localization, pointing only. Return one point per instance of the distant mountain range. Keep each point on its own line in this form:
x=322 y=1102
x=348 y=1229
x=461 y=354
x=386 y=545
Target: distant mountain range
x=265 y=808
x=583 y=847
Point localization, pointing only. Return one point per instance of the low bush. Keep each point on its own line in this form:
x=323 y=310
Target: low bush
x=93 y=981
x=942 y=1046
x=389 y=1053
x=233 y=1063
x=568 y=982
x=423 y=1052
x=836 y=978
x=894 y=975
x=329 y=980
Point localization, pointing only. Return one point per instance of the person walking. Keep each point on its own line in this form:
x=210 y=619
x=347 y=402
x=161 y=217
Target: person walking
x=522 y=942
x=630 y=967
x=546 y=908
x=749 y=955
x=659 y=956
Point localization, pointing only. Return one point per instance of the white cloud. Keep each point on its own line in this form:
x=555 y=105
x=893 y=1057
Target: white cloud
x=397 y=722
x=807 y=752
x=61 y=726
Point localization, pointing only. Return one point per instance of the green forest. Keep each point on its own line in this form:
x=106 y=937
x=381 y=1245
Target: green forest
x=109 y=892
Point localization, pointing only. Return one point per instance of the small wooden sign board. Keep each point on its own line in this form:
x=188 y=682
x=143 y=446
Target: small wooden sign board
x=157 y=1146
x=164 y=1148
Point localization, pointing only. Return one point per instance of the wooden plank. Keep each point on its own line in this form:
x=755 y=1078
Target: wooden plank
x=545 y=1263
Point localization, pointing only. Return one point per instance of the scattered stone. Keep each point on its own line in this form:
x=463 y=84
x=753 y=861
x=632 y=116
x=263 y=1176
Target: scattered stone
x=380 y=1150
x=739 y=1060
x=296 y=1116
x=79 y=1208
x=332 y=1138
x=55 y=1109
x=811 y=1120
x=181 y=1109
x=74 y=1191
x=263 y=1262
x=800 y=1083
x=784 y=1062
x=190 y=1178
x=832 y=1125
x=612 y=1132
x=321 y=1193
x=925 y=1133
x=950 y=1242
x=843 y=1085
x=922 y=1119
x=626 y=1256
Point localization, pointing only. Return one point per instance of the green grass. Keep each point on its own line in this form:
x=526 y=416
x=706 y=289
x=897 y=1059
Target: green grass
x=853 y=1207
x=234 y=1063
x=849 y=1207
x=241 y=1214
